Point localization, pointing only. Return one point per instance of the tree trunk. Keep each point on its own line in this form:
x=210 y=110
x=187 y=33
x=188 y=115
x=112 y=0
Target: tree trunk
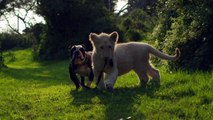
x=2 y=65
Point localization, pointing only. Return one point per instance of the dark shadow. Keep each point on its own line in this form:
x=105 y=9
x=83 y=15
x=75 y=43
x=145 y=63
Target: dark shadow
x=118 y=104
x=45 y=75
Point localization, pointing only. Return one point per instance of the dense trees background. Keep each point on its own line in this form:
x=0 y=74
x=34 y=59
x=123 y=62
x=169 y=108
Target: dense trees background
x=166 y=24
x=70 y=22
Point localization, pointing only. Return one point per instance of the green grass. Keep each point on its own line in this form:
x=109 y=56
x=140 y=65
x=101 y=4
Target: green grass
x=41 y=90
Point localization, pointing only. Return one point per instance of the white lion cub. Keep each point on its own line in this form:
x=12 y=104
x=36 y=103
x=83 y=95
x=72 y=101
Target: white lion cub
x=117 y=59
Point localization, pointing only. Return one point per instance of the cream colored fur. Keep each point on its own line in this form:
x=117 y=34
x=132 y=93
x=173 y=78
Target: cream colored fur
x=125 y=56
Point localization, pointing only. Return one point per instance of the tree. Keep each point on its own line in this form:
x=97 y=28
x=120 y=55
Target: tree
x=69 y=22
x=1 y=57
x=139 y=20
x=13 y=8
x=8 y=7
x=110 y=4
x=146 y=5
x=2 y=7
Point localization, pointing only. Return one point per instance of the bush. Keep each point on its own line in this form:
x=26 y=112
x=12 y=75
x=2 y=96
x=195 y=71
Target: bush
x=134 y=35
x=12 y=40
x=136 y=24
x=190 y=29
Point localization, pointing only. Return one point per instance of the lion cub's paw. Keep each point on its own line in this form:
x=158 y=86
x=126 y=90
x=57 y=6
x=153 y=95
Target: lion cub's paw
x=109 y=87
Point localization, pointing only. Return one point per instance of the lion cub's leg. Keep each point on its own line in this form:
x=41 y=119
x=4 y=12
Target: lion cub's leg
x=111 y=78
x=154 y=73
x=141 y=71
x=101 y=84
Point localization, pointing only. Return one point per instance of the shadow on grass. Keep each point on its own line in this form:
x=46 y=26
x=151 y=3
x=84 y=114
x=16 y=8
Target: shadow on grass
x=119 y=104
x=45 y=75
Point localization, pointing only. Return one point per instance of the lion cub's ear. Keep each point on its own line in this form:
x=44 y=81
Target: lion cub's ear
x=114 y=36
x=93 y=37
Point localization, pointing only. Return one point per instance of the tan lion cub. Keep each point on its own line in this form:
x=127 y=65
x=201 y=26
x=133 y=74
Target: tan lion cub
x=117 y=59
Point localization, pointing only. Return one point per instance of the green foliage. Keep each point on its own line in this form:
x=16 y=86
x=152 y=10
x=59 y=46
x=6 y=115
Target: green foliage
x=69 y=23
x=38 y=34
x=146 y=5
x=136 y=24
x=187 y=25
x=2 y=65
x=12 y=40
x=110 y=4
x=34 y=90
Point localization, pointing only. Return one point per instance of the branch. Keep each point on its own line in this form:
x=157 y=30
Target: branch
x=8 y=23
x=125 y=7
x=23 y=19
x=30 y=8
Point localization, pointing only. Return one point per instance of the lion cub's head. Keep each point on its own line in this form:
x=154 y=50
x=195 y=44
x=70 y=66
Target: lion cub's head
x=104 y=44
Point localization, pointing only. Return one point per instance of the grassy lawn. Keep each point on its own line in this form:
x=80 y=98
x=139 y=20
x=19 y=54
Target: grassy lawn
x=41 y=90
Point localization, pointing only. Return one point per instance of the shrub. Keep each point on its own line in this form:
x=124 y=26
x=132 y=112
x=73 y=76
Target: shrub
x=12 y=40
x=137 y=24
x=190 y=30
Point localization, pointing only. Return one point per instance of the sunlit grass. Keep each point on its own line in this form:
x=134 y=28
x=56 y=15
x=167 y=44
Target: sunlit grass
x=41 y=90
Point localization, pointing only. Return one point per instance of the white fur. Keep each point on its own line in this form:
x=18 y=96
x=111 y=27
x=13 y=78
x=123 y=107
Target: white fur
x=126 y=56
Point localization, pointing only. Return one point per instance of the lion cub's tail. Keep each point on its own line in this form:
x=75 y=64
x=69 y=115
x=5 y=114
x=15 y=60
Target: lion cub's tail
x=164 y=56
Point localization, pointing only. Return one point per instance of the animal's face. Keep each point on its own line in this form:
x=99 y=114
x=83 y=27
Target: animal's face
x=104 y=44
x=77 y=52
